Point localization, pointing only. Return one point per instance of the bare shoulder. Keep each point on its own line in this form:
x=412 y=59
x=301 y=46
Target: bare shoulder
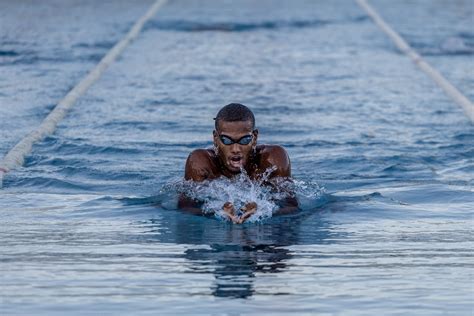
x=275 y=155
x=200 y=165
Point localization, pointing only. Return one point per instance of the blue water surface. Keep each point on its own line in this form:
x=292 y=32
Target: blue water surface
x=382 y=159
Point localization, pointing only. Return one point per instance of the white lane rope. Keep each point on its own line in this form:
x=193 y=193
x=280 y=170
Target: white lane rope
x=403 y=46
x=16 y=156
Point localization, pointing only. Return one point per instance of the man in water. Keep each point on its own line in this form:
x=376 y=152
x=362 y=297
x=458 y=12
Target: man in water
x=235 y=150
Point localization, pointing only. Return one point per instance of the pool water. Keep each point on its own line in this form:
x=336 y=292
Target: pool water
x=382 y=159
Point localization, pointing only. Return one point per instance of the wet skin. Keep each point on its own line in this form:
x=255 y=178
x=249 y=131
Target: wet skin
x=205 y=164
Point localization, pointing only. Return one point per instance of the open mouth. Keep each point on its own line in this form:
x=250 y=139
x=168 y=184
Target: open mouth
x=236 y=161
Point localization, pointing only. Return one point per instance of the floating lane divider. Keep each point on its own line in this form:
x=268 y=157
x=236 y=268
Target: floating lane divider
x=448 y=88
x=16 y=156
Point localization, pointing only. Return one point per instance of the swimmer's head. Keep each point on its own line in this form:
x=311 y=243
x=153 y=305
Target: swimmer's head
x=234 y=112
x=235 y=136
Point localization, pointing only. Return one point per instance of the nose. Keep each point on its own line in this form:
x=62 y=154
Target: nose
x=235 y=149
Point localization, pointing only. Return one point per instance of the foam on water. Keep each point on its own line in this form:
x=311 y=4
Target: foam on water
x=268 y=194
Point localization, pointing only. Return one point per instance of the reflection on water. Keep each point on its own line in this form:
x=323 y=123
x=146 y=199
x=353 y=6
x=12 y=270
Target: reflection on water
x=235 y=254
x=236 y=266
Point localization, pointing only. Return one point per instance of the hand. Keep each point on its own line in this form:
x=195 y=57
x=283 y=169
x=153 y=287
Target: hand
x=229 y=211
x=249 y=209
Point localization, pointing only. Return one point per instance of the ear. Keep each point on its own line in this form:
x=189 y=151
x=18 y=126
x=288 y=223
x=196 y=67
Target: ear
x=255 y=136
x=214 y=136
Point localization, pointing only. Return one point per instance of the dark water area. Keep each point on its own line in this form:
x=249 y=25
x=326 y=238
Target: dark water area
x=382 y=160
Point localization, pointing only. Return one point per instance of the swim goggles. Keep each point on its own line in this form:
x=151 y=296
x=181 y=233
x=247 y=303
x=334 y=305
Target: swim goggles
x=242 y=141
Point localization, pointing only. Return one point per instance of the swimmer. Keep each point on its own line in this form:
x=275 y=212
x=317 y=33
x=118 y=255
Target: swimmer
x=235 y=149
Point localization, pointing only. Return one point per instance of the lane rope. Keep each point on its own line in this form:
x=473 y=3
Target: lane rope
x=403 y=46
x=16 y=156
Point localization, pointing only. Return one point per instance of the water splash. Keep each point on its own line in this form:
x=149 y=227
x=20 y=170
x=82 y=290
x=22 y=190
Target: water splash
x=269 y=194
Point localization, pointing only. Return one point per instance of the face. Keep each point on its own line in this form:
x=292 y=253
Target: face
x=236 y=155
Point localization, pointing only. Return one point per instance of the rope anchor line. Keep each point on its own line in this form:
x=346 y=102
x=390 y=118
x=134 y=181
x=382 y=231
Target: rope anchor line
x=16 y=156
x=403 y=46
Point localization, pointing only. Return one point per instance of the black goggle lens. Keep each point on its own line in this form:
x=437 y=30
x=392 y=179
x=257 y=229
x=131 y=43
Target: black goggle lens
x=243 y=141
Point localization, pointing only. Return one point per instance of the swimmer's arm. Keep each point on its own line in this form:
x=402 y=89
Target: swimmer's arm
x=194 y=207
x=196 y=170
x=189 y=205
x=279 y=158
x=288 y=206
x=275 y=156
x=198 y=166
